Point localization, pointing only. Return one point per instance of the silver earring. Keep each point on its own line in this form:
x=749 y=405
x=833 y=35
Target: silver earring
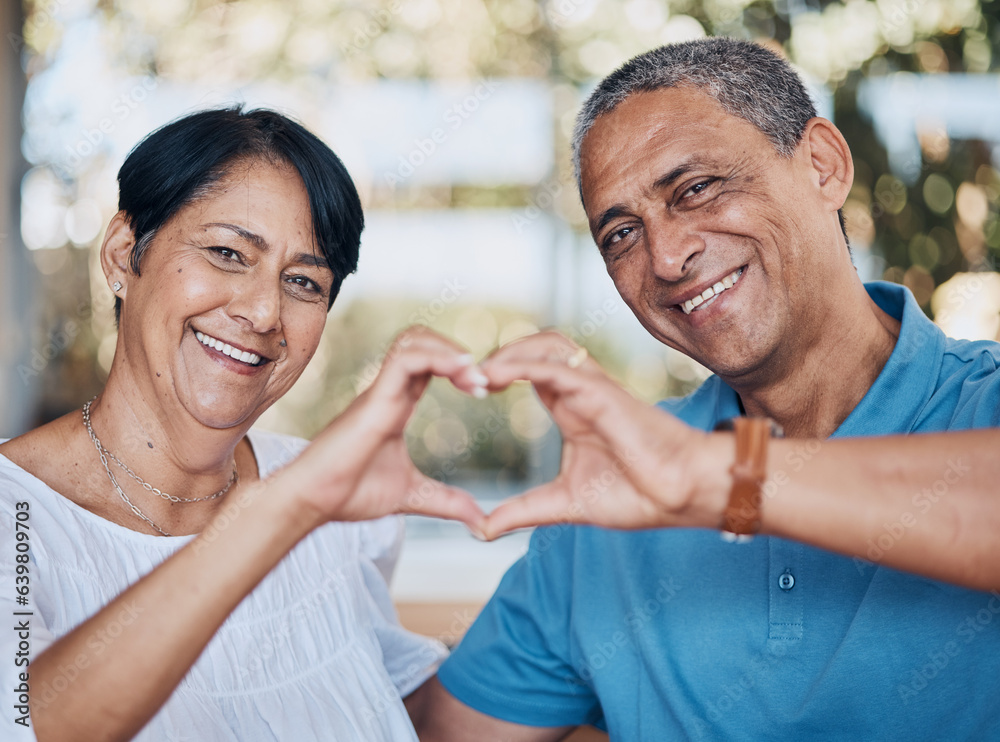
x=117 y=286
x=283 y=343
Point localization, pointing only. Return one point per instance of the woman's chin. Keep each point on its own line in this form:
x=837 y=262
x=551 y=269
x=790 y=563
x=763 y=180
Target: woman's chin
x=222 y=414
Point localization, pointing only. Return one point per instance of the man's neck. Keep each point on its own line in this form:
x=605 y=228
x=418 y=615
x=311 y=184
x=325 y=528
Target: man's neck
x=818 y=385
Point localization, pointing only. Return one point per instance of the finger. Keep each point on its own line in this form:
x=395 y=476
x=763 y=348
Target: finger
x=439 y=500
x=544 y=505
x=547 y=376
x=471 y=380
x=409 y=365
x=625 y=424
x=548 y=345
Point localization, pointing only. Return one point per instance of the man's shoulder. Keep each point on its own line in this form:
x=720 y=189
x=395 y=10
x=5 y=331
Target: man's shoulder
x=967 y=388
x=979 y=352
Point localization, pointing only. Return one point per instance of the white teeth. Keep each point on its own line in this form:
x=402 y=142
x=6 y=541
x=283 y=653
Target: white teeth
x=711 y=292
x=245 y=356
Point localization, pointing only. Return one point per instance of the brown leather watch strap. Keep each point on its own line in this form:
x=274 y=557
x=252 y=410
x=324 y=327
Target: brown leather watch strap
x=742 y=516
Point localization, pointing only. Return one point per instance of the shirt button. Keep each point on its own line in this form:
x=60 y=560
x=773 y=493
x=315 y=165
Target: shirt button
x=786 y=581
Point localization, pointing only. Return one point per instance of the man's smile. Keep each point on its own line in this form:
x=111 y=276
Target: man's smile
x=708 y=295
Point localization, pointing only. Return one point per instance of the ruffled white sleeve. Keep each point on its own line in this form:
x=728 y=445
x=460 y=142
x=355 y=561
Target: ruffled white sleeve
x=409 y=658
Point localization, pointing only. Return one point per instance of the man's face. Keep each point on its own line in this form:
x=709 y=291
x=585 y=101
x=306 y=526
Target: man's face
x=706 y=230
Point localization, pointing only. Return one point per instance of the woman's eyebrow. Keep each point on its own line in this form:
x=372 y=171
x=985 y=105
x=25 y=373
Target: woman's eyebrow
x=317 y=261
x=303 y=258
x=259 y=242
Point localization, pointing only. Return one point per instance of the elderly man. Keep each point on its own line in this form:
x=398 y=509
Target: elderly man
x=714 y=192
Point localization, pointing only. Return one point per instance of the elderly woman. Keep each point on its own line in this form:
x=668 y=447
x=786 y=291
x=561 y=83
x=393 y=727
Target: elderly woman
x=183 y=583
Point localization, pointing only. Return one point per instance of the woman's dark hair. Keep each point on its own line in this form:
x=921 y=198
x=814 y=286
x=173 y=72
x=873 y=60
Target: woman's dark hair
x=182 y=161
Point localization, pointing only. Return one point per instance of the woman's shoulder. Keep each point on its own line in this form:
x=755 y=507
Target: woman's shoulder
x=28 y=464
x=274 y=450
x=55 y=462
x=34 y=450
x=16 y=483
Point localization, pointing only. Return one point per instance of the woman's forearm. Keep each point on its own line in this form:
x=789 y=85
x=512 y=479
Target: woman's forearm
x=926 y=503
x=161 y=624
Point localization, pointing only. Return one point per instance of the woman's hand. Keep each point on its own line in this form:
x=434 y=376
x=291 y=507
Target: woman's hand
x=624 y=464
x=358 y=468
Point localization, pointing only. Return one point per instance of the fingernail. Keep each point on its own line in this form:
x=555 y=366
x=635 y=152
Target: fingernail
x=479 y=379
x=466 y=359
x=480 y=392
x=477 y=533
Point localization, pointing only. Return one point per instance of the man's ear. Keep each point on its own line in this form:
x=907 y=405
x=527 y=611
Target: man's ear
x=116 y=251
x=830 y=160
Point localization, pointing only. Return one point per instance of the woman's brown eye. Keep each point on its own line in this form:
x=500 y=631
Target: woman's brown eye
x=226 y=252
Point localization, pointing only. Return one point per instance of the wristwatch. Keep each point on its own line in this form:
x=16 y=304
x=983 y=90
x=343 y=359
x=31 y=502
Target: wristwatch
x=741 y=519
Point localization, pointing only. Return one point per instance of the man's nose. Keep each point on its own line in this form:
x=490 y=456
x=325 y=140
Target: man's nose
x=673 y=247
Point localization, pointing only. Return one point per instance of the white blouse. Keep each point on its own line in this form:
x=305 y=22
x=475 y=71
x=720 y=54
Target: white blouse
x=314 y=652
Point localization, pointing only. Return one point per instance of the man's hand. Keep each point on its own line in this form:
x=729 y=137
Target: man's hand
x=624 y=464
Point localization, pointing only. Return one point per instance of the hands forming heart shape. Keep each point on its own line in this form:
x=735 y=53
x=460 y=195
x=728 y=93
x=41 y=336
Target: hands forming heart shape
x=624 y=464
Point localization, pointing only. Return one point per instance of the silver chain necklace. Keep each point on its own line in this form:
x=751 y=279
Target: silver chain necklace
x=105 y=454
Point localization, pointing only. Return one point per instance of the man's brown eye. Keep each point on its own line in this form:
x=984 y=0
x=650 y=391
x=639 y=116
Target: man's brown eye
x=621 y=233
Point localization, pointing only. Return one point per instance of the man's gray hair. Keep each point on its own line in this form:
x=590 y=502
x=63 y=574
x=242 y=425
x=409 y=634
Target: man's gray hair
x=748 y=80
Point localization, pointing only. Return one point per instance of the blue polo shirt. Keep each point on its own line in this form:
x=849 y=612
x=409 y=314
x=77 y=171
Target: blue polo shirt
x=674 y=634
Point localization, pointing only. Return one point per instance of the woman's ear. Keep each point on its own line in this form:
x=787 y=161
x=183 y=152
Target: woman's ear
x=831 y=161
x=116 y=251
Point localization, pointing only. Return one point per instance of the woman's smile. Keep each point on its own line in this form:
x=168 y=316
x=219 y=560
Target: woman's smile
x=231 y=350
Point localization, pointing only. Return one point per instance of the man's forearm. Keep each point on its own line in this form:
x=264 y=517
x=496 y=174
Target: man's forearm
x=921 y=503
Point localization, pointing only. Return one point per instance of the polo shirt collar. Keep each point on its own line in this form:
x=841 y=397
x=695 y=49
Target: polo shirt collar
x=908 y=380
x=905 y=384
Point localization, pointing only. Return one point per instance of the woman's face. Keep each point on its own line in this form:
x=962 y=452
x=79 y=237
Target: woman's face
x=231 y=301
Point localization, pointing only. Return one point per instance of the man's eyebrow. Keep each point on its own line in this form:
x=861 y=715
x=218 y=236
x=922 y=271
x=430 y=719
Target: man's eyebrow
x=608 y=215
x=662 y=182
x=678 y=172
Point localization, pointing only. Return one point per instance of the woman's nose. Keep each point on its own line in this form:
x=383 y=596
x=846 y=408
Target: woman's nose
x=257 y=302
